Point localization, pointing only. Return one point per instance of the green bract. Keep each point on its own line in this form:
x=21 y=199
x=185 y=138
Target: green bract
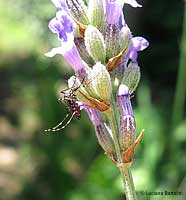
x=125 y=37
x=132 y=76
x=96 y=14
x=94 y=43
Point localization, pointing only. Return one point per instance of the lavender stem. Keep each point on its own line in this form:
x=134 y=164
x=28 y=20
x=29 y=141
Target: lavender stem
x=125 y=170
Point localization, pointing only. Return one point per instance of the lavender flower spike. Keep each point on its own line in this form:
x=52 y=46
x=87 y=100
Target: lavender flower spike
x=127 y=131
x=104 y=137
x=62 y=25
x=114 y=9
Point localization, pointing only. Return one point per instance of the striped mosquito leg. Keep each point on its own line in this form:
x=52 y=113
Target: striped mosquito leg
x=56 y=128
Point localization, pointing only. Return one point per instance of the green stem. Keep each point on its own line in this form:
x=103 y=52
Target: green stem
x=124 y=169
x=180 y=93
x=111 y=114
x=128 y=183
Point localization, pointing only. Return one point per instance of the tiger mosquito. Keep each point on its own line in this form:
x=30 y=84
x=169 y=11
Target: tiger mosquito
x=70 y=98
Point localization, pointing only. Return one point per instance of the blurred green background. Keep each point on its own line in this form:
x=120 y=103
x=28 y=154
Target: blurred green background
x=69 y=165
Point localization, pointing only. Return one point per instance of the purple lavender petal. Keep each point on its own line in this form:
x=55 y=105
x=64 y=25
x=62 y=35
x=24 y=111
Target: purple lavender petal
x=139 y=43
x=73 y=58
x=113 y=11
x=62 y=24
x=71 y=55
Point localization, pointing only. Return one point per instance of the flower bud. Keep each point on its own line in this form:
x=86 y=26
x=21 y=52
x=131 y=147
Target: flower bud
x=96 y=13
x=125 y=38
x=102 y=132
x=131 y=76
x=112 y=40
x=102 y=81
x=78 y=10
x=124 y=43
x=127 y=129
x=94 y=43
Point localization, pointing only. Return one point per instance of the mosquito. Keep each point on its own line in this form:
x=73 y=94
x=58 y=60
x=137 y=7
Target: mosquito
x=70 y=98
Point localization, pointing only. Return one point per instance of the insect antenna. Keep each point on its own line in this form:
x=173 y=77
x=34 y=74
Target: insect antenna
x=56 y=128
